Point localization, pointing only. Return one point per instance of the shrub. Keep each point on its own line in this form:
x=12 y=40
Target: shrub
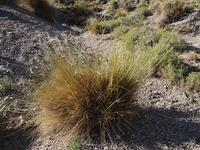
x=120 y=31
x=82 y=98
x=193 y=81
x=141 y=37
x=170 y=66
x=99 y=27
x=172 y=10
x=79 y=13
x=41 y=8
x=5 y=84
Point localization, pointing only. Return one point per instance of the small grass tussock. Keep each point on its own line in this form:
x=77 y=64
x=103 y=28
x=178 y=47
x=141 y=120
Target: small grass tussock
x=120 y=31
x=41 y=8
x=99 y=27
x=192 y=55
x=193 y=81
x=172 y=10
x=83 y=98
x=79 y=13
x=5 y=84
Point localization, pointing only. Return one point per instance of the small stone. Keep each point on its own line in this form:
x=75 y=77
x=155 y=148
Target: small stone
x=184 y=95
x=105 y=148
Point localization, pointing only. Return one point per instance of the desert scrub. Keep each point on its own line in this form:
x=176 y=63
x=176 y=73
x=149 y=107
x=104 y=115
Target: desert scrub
x=146 y=37
x=193 y=81
x=172 y=10
x=5 y=84
x=79 y=13
x=172 y=68
x=83 y=98
x=41 y=8
x=120 y=31
x=99 y=27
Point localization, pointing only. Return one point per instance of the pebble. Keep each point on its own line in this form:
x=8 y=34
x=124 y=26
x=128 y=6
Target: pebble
x=184 y=95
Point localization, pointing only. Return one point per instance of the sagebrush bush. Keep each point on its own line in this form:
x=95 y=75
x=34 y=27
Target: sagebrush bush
x=193 y=81
x=82 y=98
x=41 y=8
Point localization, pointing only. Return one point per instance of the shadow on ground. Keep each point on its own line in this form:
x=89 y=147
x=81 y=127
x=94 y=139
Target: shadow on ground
x=158 y=127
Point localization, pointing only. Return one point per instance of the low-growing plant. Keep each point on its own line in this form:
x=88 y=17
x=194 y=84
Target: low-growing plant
x=5 y=84
x=79 y=13
x=99 y=27
x=120 y=13
x=172 y=68
x=74 y=143
x=143 y=38
x=120 y=31
x=192 y=55
x=193 y=81
x=143 y=10
x=172 y=10
x=80 y=98
x=41 y=8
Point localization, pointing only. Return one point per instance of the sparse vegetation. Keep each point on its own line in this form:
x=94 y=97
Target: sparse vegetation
x=192 y=55
x=172 y=10
x=193 y=81
x=5 y=84
x=146 y=38
x=87 y=97
x=41 y=8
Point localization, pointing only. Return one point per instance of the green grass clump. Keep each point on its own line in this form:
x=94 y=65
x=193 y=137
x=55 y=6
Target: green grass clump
x=74 y=143
x=119 y=31
x=99 y=27
x=5 y=84
x=83 y=98
x=144 y=38
x=41 y=8
x=193 y=81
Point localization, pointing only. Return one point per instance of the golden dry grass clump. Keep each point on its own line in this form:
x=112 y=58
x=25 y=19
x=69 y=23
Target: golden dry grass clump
x=173 y=10
x=80 y=98
x=41 y=8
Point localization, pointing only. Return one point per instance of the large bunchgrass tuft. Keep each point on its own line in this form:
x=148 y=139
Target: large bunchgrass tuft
x=41 y=8
x=82 y=98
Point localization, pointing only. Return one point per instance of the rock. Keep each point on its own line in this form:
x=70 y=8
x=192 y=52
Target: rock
x=184 y=95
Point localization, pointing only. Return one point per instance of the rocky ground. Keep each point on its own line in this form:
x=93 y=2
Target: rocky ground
x=169 y=116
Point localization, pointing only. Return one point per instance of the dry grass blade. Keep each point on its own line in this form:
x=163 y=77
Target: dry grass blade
x=82 y=98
